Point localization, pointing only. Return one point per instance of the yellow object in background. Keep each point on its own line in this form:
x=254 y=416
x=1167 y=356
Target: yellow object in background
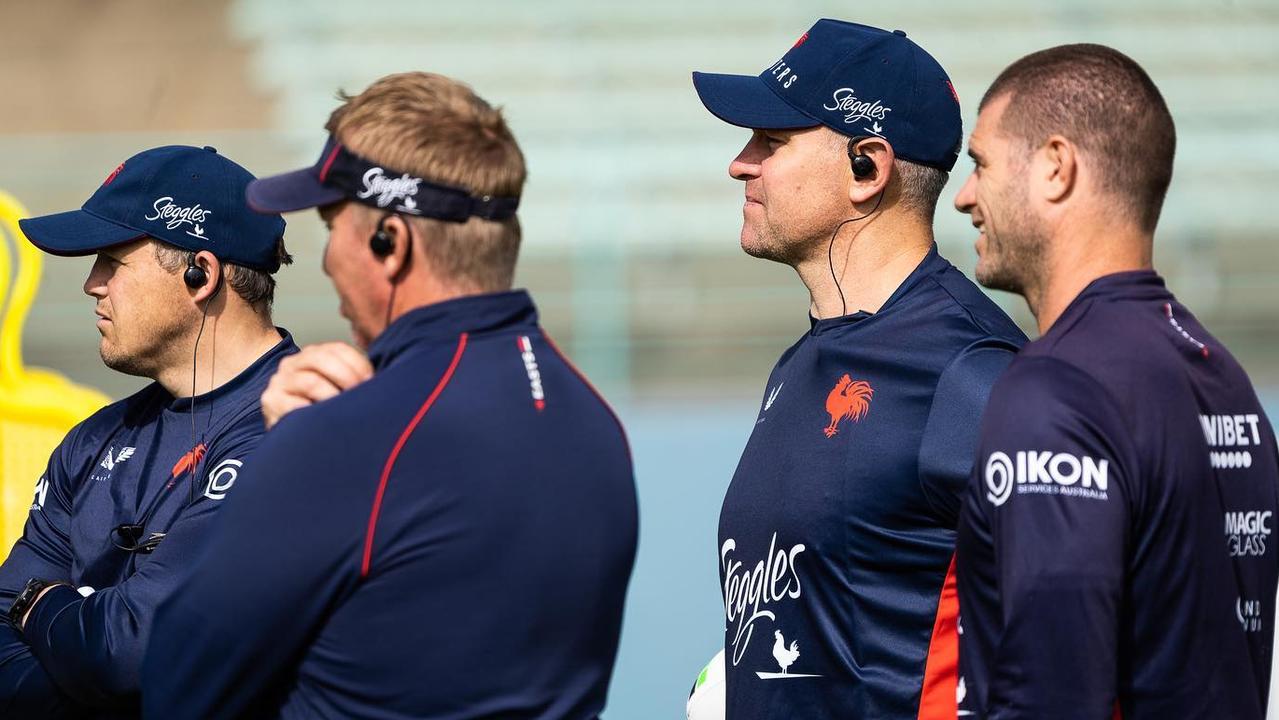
x=37 y=407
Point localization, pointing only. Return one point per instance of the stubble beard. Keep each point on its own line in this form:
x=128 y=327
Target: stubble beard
x=1014 y=257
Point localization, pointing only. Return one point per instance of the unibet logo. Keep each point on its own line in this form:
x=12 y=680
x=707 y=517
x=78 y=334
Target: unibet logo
x=1246 y=532
x=1045 y=473
x=1231 y=430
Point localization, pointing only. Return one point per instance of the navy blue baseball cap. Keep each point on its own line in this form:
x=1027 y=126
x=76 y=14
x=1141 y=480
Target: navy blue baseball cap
x=189 y=197
x=340 y=174
x=855 y=79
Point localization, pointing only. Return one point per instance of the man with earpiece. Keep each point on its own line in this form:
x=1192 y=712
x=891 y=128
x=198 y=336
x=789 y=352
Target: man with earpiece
x=837 y=533
x=183 y=286
x=446 y=528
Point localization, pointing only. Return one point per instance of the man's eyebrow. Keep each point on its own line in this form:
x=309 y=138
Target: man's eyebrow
x=976 y=156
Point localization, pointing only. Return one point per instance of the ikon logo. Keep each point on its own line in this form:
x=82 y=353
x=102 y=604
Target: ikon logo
x=1045 y=473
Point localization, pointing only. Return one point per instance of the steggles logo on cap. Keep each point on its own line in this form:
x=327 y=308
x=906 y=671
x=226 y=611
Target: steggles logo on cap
x=845 y=100
x=174 y=216
x=390 y=189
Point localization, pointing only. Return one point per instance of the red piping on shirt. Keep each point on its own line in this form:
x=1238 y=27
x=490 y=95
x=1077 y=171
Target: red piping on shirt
x=625 y=440
x=395 y=453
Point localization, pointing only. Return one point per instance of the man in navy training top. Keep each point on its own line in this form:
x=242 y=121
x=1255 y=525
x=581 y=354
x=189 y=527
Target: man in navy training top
x=1094 y=577
x=451 y=537
x=132 y=491
x=836 y=535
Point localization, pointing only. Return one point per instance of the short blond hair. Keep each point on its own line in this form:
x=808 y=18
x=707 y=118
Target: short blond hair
x=437 y=128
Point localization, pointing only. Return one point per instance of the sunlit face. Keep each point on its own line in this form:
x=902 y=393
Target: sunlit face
x=1010 y=246
x=143 y=310
x=796 y=191
x=354 y=269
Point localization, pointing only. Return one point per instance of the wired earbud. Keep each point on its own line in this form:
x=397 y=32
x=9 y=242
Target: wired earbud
x=863 y=165
x=381 y=243
x=194 y=276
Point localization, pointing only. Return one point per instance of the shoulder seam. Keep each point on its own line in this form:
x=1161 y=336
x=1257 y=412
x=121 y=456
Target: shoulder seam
x=961 y=305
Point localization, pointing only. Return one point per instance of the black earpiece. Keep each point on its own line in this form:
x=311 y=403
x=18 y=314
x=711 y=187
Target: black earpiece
x=863 y=165
x=381 y=243
x=194 y=276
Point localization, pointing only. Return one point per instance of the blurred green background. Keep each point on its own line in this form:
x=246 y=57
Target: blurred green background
x=630 y=218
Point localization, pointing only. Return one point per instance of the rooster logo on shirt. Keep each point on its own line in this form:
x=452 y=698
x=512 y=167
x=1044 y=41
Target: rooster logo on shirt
x=850 y=400
x=783 y=655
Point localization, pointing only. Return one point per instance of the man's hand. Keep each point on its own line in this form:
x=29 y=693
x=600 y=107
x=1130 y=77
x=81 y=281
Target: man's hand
x=317 y=373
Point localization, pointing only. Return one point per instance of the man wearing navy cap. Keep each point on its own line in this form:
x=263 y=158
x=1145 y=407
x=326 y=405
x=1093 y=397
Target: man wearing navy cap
x=1115 y=548
x=452 y=537
x=183 y=288
x=836 y=535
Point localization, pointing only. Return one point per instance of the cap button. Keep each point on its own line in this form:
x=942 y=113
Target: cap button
x=210 y=148
x=900 y=32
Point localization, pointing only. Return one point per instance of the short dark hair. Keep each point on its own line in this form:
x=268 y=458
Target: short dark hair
x=920 y=186
x=1104 y=102
x=255 y=287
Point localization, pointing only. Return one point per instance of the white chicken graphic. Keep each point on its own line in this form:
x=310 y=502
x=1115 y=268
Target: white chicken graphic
x=784 y=656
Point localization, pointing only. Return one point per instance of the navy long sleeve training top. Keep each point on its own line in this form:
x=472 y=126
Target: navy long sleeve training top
x=1115 y=556
x=452 y=538
x=837 y=532
x=134 y=461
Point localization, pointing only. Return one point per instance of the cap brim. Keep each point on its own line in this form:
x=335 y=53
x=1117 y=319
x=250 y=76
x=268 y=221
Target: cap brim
x=297 y=190
x=746 y=101
x=77 y=232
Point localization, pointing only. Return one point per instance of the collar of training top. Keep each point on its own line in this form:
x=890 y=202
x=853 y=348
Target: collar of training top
x=444 y=321
x=340 y=173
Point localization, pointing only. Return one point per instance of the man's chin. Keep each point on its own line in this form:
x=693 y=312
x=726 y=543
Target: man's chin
x=120 y=362
x=758 y=247
x=996 y=278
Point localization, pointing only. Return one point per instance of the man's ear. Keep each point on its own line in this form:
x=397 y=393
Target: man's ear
x=1055 y=169
x=213 y=275
x=397 y=232
x=869 y=185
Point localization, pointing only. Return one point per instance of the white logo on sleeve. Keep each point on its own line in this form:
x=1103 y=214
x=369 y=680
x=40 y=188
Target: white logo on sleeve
x=42 y=489
x=1044 y=472
x=221 y=478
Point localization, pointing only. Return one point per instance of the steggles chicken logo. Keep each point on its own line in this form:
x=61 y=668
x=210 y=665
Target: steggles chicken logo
x=849 y=400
